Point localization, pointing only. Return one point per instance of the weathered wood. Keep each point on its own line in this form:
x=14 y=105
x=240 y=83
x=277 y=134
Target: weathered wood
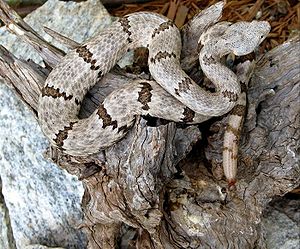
x=152 y=182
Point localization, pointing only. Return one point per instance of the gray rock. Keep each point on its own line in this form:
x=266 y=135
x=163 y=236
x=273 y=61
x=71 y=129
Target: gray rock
x=6 y=240
x=281 y=224
x=43 y=201
x=77 y=21
x=41 y=247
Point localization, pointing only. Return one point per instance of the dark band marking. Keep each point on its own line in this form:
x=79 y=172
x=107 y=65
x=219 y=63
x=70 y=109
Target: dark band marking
x=231 y=183
x=234 y=156
x=126 y=26
x=184 y=85
x=234 y=131
x=243 y=87
x=209 y=60
x=93 y=66
x=188 y=115
x=162 y=55
x=100 y=74
x=50 y=91
x=84 y=53
x=225 y=148
x=238 y=110
x=106 y=118
x=230 y=95
x=124 y=128
x=162 y=27
x=145 y=95
x=87 y=55
x=199 y=47
x=77 y=102
x=63 y=134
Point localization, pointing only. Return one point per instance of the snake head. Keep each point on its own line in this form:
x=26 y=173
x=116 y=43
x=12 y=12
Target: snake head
x=243 y=37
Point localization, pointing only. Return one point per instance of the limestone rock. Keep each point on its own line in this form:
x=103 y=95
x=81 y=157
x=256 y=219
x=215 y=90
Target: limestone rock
x=43 y=201
x=281 y=223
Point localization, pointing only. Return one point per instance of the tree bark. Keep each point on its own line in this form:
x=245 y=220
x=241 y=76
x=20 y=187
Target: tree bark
x=162 y=185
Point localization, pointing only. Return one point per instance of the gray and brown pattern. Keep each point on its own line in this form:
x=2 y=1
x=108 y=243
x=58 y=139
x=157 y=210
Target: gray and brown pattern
x=232 y=96
x=227 y=149
x=90 y=62
x=162 y=55
x=234 y=131
x=230 y=151
x=199 y=47
x=243 y=87
x=208 y=60
x=99 y=75
x=176 y=91
x=238 y=110
x=232 y=136
x=162 y=27
x=124 y=128
x=188 y=115
x=84 y=53
x=62 y=135
x=185 y=85
x=50 y=91
x=125 y=23
x=145 y=95
x=106 y=118
x=87 y=56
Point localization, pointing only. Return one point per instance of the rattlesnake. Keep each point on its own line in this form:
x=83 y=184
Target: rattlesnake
x=176 y=96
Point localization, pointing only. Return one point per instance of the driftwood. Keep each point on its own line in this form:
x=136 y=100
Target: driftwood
x=162 y=185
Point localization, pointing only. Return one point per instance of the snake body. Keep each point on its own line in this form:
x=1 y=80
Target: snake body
x=174 y=95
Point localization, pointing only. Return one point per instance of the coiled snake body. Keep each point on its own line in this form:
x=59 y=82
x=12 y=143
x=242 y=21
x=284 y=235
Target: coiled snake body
x=176 y=96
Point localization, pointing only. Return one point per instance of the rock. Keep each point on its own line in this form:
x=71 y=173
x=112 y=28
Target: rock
x=281 y=222
x=43 y=201
x=77 y=21
x=41 y=247
x=6 y=240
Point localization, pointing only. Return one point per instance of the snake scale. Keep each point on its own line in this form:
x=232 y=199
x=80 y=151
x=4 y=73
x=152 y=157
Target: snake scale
x=173 y=95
